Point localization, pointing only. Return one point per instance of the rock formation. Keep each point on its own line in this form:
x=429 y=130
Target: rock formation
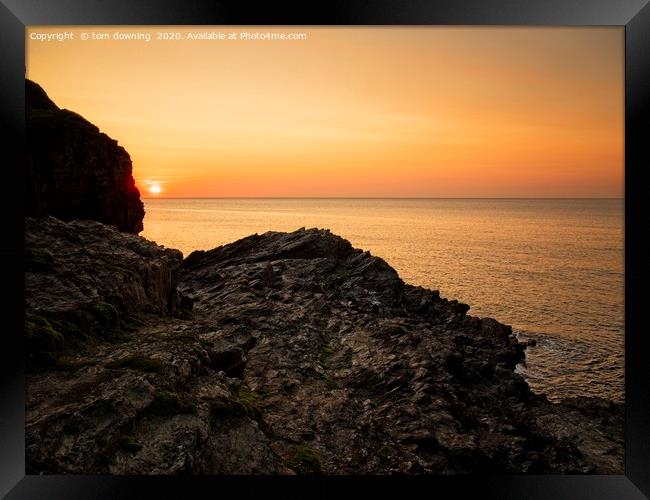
x=84 y=280
x=301 y=355
x=281 y=353
x=73 y=171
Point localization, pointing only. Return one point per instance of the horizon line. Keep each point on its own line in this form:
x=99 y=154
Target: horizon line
x=382 y=197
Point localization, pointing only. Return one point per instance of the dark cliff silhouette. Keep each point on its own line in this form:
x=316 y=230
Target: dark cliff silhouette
x=73 y=171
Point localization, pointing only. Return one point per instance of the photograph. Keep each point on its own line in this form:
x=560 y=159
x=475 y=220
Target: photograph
x=324 y=250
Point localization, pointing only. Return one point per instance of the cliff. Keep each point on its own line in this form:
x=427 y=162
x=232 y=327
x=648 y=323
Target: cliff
x=301 y=355
x=73 y=171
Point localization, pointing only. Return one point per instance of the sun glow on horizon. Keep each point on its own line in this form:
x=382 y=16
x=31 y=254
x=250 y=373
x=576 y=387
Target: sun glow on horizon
x=154 y=188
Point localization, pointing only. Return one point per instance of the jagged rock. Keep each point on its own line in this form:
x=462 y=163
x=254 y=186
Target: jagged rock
x=86 y=279
x=305 y=355
x=73 y=171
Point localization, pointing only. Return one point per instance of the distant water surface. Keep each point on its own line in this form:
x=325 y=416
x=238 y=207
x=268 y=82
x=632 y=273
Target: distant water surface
x=553 y=269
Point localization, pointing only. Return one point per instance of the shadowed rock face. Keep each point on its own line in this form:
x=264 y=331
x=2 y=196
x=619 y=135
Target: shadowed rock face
x=73 y=171
x=86 y=280
x=304 y=355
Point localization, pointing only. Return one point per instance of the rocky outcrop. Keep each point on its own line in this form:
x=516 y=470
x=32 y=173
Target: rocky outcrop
x=73 y=171
x=303 y=355
x=86 y=280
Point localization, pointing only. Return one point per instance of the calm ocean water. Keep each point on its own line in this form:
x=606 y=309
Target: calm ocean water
x=553 y=269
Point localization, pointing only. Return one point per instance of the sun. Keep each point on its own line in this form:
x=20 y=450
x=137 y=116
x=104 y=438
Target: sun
x=155 y=189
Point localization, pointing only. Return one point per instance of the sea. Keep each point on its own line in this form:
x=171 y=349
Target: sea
x=553 y=269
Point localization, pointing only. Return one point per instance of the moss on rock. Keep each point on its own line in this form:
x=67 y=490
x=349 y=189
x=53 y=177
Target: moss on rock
x=104 y=313
x=305 y=461
x=246 y=398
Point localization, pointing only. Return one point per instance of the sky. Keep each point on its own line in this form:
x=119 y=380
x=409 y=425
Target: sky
x=351 y=112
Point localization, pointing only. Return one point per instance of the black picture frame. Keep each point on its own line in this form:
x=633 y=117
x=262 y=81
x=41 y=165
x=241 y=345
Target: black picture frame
x=634 y=15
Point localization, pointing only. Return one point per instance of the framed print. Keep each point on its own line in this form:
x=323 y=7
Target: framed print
x=299 y=249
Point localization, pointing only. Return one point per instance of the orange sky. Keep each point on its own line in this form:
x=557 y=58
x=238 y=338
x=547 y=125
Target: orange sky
x=486 y=112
